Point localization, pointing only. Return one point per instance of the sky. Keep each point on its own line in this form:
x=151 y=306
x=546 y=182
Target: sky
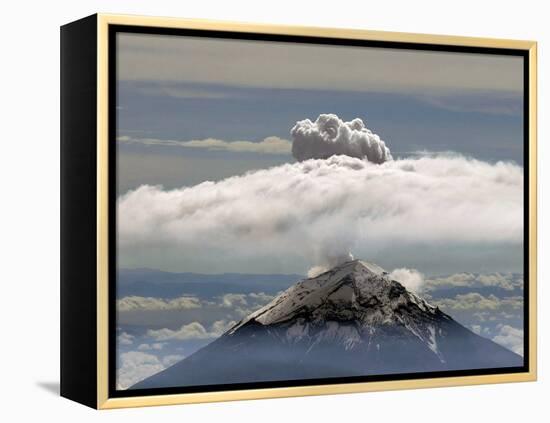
x=224 y=167
x=192 y=110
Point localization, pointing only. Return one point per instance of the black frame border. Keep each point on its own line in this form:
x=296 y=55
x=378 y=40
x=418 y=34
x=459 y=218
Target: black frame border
x=236 y=35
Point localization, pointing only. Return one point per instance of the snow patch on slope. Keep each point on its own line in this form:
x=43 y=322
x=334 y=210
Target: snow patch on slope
x=354 y=287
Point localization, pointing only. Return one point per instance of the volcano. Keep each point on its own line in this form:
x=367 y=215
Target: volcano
x=352 y=320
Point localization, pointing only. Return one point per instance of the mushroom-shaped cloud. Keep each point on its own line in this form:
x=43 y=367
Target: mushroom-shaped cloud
x=329 y=135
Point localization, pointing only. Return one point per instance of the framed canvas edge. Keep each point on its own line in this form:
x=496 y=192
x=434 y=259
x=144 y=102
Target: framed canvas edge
x=103 y=400
x=302 y=391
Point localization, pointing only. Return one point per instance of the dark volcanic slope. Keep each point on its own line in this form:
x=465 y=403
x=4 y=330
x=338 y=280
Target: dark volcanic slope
x=350 y=321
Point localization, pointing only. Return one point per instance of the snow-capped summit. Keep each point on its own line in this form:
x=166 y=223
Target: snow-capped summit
x=355 y=286
x=355 y=291
x=352 y=320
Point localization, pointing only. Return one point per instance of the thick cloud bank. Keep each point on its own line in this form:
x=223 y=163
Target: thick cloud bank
x=329 y=135
x=411 y=279
x=321 y=210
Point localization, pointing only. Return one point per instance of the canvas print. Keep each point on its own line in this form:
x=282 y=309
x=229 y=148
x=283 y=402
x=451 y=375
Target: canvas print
x=294 y=212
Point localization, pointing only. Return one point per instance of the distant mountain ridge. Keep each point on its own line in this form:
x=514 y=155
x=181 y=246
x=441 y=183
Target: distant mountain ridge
x=157 y=283
x=352 y=320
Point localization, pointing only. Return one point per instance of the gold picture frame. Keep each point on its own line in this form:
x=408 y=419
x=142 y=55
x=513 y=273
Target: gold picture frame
x=96 y=35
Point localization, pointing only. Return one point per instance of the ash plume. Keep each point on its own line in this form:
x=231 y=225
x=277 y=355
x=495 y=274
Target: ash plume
x=329 y=135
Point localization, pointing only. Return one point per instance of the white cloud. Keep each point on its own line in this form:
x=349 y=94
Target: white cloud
x=150 y=303
x=476 y=301
x=241 y=305
x=136 y=366
x=480 y=330
x=260 y=297
x=149 y=347
x=329 y=135
x=510 y=338
x=317 y=270
x=269 y=145
x=454 y=280
x=496 y=279
x=232 y=300
x=476 y=329
x=172 y=359
x=157 y=313
x=219 y=327
x=318 y=209
x=507 y=281
x=194 y=330
x=125 y=339
x=331 y=257
x=411 y=279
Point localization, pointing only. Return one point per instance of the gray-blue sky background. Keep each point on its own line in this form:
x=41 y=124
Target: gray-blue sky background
x=188 y=88
x=183 y=102
x=183 y=88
